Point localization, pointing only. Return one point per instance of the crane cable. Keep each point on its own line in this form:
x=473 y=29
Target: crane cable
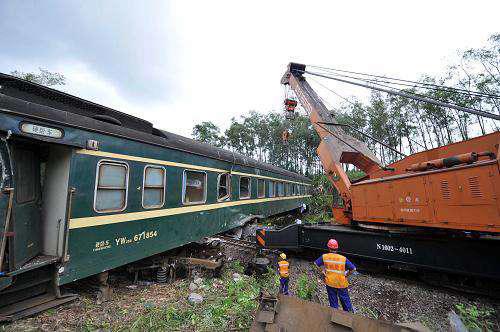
x=400 y=93
x=355 y=105
x=425 y=85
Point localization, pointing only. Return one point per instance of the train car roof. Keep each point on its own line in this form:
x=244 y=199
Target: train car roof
x=52 y=105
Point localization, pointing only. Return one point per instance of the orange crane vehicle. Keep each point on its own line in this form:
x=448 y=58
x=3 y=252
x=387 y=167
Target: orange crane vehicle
x=418 y=213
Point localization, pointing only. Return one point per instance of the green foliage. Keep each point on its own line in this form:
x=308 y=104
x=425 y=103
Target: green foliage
x=368 y=312
x=43 y=77
x=475 y=319
x=208 y=132
x=306 y=287
x=162 y=319
x=228 y=304
x=236 y=267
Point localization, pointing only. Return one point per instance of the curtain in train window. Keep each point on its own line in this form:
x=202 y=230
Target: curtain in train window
x=280 y=189
x=261 y=188
x=111 y=189
x=224 y=187
x=194 y=187
x=271 y=189
x=153 y=195
x=244 y=187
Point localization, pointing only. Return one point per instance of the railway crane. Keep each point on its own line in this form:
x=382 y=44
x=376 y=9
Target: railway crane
x=434 y=211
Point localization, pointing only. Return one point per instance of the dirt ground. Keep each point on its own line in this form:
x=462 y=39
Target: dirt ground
x=398 y=300
x=375 y=296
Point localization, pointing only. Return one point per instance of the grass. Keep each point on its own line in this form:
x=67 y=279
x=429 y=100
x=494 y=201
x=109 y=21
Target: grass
x=306 y=287
x=368 y=312
x=229 y=303
x=475 y=319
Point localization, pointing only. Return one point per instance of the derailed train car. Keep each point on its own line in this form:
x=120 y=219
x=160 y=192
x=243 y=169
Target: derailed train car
x=85 y=189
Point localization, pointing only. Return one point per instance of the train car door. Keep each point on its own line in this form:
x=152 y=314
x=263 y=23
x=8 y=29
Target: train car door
x=6 y=198
x=26 y=216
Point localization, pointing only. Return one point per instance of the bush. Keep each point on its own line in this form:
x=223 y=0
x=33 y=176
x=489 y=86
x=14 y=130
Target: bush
x=475 y=319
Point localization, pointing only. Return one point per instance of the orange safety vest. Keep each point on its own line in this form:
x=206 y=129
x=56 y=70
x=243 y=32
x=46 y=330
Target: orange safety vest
x=283 y=268
x=335 y=270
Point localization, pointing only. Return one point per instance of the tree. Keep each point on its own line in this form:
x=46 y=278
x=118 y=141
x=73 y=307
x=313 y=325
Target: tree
x=44 y=77
x=403 y=124
x=208 y=132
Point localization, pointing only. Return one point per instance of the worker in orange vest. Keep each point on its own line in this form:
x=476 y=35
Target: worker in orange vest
x=283 y=266
x=336 y=268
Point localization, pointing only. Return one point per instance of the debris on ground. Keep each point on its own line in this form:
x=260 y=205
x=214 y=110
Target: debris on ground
x=195 y=298
x=230 y=301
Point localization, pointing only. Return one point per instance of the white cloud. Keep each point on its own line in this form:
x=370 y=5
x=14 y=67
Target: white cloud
x=228 y=56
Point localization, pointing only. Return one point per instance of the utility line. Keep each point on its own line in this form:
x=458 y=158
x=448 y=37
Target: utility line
x=422 y=84
x=409 y=95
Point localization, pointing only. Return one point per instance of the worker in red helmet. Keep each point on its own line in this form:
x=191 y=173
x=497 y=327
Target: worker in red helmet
x=336 y=268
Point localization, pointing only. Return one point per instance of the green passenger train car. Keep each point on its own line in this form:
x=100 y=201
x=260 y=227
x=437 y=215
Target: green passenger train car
x=85 y=189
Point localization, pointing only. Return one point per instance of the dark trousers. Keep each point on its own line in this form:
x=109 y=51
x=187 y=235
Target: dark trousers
x=343 y=294
x=284 y=286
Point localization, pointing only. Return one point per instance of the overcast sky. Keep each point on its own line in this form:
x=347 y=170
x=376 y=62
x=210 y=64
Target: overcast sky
x=177 y=63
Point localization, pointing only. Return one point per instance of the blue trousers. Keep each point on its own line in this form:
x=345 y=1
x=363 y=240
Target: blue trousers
x=341 y=293
x=284 y=286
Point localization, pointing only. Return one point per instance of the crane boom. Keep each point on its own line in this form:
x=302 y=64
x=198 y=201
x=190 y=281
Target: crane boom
x=336 y=145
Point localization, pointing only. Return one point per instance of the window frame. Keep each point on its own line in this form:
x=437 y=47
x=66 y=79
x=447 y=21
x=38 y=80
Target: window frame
x=96 y=186
x=264 y=191
x=184 y=187
x=229 y=191
x=249 y=187
x=144 y=187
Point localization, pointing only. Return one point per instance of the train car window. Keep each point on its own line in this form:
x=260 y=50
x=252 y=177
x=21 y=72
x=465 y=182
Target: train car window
x=153 y=190
x=223 y=187
x=261 y=188
x=292 y=189
x=245 y=187
x=280 y=189
x=271 y=191
x=194 y=188
x=111 y=187
x=296 y=186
